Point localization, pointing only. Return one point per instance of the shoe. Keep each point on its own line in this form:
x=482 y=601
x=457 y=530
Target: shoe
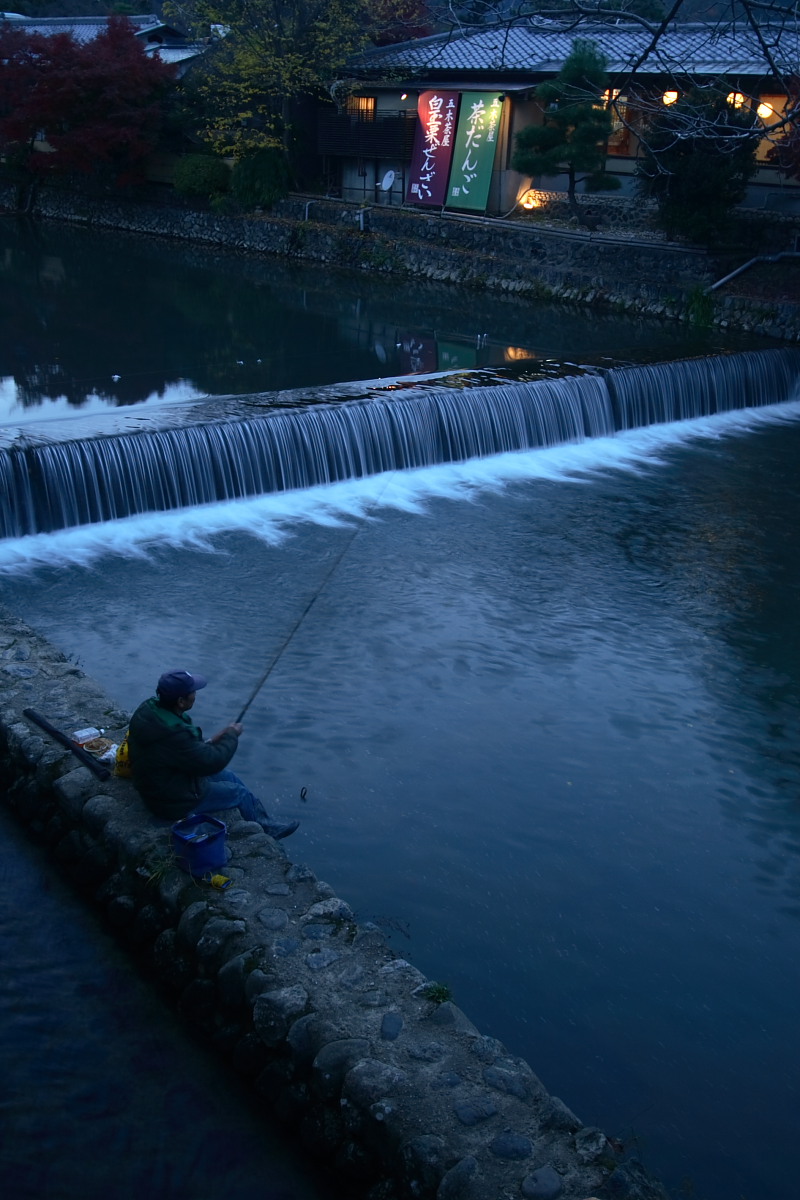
x=280 y=829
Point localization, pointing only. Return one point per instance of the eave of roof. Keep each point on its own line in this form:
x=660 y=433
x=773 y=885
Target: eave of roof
x=175 y=54
x=459 y=83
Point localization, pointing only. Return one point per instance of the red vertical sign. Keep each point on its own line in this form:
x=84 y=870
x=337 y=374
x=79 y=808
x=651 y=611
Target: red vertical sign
x=433 y=147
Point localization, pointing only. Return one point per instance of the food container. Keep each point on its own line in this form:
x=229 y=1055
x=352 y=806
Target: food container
x=82 y=736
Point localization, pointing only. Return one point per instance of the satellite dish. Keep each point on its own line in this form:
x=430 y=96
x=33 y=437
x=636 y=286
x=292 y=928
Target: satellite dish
x=387 y=181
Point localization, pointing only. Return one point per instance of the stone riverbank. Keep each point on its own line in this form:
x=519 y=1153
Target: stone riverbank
x=332 y=1033
x=603 y=269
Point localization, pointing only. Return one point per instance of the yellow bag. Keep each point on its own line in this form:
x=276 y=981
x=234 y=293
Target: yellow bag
x=122 y=766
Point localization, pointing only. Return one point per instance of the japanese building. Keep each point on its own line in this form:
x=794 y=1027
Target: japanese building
x=432 y=122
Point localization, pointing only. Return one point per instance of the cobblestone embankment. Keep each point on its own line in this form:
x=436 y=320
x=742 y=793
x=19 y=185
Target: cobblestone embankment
x=603 y=269
x=337 y=1036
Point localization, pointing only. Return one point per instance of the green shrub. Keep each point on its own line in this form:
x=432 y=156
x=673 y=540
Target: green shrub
x=438 y=993
x=700 y=306
x=224 y=205
x=201 y=175
x=261 y=179
x=599 y=181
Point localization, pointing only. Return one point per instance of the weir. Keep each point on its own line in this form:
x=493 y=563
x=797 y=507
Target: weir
x=48 y=487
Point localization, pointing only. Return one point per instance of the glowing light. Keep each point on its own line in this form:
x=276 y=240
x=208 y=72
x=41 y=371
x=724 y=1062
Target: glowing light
x=669 y=97
x=735 y=98
x=531 y=199
x=765 y=111
x=404 y=96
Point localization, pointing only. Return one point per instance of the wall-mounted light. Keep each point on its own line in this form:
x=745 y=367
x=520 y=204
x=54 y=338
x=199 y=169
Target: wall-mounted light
x=736 y=99
x=404 y=96
x=669 y=97
x=765 y=111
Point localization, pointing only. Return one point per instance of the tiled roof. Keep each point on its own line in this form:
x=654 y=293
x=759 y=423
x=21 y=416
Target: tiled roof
x=168 y=43
x=83 y=29
x=539 y=48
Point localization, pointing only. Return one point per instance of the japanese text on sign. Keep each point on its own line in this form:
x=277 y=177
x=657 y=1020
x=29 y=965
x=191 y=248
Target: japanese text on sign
x=474 y=149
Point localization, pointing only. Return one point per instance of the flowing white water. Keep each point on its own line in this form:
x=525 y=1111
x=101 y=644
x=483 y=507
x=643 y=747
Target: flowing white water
x=62 y=485
x=272 y=518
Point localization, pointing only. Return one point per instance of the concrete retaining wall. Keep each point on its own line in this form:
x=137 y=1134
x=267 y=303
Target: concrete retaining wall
x=338 y=1036
x=642 y=277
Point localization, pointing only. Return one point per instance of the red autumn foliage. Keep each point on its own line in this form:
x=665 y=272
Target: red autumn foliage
x=100 y=105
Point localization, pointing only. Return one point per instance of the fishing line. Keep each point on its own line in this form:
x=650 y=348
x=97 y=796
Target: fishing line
x=310 y=604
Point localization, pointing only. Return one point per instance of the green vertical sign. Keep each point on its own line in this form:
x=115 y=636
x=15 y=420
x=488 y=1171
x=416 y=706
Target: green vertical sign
x=473 y=154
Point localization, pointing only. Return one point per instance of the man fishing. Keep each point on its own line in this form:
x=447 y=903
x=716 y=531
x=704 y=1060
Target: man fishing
x=176 y=772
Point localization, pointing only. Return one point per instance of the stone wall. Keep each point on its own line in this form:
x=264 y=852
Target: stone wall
x=333 y=1033
x=643 y=277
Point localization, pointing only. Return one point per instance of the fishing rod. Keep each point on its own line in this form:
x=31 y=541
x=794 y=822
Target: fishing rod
x=307 y=609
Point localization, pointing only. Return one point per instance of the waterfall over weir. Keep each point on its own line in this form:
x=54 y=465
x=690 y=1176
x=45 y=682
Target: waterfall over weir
x=58 y=486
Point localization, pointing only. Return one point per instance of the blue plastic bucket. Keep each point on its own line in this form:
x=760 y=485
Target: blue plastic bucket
x=199 y=843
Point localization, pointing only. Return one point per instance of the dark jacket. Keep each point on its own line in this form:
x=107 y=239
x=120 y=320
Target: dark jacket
x=169 y=759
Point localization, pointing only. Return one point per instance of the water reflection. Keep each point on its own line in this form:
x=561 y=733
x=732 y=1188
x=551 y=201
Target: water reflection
x=104 y=1093
x=98 y=318
x=724 y=550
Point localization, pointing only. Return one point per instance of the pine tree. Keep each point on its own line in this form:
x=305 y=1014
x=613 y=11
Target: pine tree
x=576 y=126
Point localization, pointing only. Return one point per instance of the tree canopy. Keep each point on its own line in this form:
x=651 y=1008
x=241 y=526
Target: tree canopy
x=98 y=106
x=499 y=13
x=699 y=154
x=267 y=56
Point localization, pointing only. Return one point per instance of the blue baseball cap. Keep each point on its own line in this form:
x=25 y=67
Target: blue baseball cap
x=174 y=684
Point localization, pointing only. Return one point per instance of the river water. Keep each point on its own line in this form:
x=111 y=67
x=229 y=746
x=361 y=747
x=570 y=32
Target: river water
x=545 y=710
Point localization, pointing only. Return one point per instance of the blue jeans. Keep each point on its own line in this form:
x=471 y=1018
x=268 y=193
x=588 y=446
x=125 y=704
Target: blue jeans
x=226 y=790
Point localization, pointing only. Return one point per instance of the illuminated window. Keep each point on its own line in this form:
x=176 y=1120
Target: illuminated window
x=362 y=107
x=619 y=139
x=605 y=98
x=771 y=110
x=736 y=99
x=669 y=97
